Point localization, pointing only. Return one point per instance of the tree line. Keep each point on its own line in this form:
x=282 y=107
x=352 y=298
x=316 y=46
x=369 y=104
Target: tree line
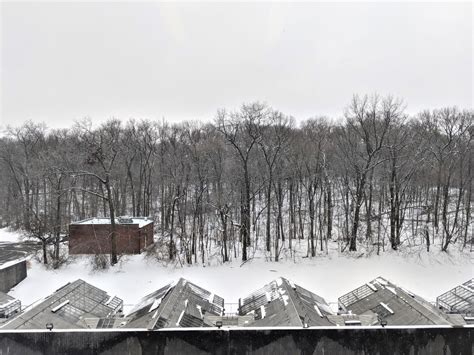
x=251 y=179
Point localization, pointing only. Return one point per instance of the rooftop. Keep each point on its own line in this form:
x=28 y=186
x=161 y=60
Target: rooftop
x=282 y=303
x=460 y=299
x=392 y=303
x=8 y=306
x=67 y=308
x=181 y=304
x=141 y=221
x=13 y=253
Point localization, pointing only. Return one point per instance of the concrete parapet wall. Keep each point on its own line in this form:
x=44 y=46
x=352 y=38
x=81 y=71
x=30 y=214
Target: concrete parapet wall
x=12 y=275
x=243 y=341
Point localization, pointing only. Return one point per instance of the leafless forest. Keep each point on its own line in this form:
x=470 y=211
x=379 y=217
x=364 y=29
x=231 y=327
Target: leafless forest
x=252 y=179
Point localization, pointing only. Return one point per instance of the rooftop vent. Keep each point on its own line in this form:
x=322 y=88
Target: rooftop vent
x=125 y=220
x=59 y=306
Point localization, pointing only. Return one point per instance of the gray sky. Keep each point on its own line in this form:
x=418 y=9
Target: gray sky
x=66 y=61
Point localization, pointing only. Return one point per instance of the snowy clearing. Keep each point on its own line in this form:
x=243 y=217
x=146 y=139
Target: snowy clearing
x=7 y=236
x=426 y=274
x=330 y=276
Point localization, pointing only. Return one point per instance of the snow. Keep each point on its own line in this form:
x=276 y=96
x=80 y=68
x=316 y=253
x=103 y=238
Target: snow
x=381 y=281
x=391 y=289
x=180 y=317
x=329 y=277
x=155 y=305
x=8 y=236
x=141 y=221
x=12 y=262
x=352 y=322
x=109 y=300
x=386 y=307
x=59 y=306
x=425 y=274
x=372 y=287
x=318 y=311
x=199 y=309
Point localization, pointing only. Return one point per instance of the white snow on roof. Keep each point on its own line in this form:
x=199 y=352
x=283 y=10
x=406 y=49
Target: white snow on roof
x=318 y=311
x=352 y=322
x=381 y=281
x=387 y=307
x=438 y=272
x=391 y=289
x=109 y=300
x=155 y=304
x=59 y=306
x=372 y=287
x=408 y=292
x=179 y=319
x=11 y=262
x=200 y=310
x=141 y=221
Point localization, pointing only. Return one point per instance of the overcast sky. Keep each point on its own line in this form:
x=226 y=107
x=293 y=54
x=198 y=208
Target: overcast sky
x=65 y=61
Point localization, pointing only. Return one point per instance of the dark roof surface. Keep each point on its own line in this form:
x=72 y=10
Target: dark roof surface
x=181 y=304
x=12 y=253
x=460 y=299
x=67 y=308
x=393 y=303
x=282 y=303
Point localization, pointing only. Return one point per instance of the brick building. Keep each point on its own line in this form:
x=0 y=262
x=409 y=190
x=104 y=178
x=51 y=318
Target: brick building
x=92 y=236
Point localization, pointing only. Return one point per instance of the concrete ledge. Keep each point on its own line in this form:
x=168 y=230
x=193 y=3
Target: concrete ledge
x=422 y=340
x=12 y=274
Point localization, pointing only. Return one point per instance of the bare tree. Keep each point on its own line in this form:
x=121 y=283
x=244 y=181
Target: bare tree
x=367 y=124
x=101 y=147
x=242 y=131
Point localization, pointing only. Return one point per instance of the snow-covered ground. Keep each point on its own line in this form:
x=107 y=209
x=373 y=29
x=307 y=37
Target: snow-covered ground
x=331 y=276
x=7 y=236
x=427 y=275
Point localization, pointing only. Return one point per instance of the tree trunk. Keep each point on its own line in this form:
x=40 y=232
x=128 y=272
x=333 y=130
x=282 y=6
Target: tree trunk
x=329 y=212
x=113 y=236
x=311 y=194
x=57 y=225
x=268 y=226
